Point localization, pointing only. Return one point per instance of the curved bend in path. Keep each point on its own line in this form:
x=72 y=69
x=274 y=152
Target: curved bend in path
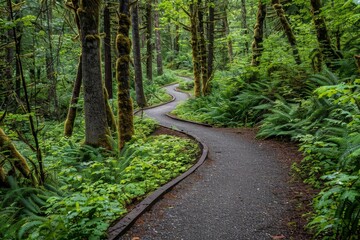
x=237 y=193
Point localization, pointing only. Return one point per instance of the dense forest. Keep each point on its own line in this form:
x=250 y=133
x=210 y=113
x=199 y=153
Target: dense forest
x=73 y=155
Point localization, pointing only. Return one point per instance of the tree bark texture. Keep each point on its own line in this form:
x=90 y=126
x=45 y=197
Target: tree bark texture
x=202 y=48
x=149 y=55
x=71 y=115
x=195 y=53
x=227 y=34
x=211 y=39
x=50 y=68
x=244 y=24
x=177 y=39
x=159 y=62
x=16 y=160
x=110 y=117
x=123 y=46
x=257 y=45
x=107 y=52
x=287 y=28
x=94 y=101
x=139 y=89
x=328 y=52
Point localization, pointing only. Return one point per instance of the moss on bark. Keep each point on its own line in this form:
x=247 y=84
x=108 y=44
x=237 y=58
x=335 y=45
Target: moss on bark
x=8 y=149
x=257 y=44
x=287 y=29
x=125 y=106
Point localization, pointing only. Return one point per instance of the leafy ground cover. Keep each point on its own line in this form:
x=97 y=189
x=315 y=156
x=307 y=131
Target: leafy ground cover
x=88 y=188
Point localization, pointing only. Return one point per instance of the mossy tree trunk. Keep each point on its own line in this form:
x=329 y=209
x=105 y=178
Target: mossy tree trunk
x=140 y=96
x=123 y=46
x=211 y=39
x=194 y=46
x=202 y=47
x=327 y=50
x=71 y=115
x=228 y=37
x=244 y=24
x=177 y=40
x=287 y=29
x=149 y=45
x=257 y=45
x=159 y=61
x=107 y=51
x=94 y=100
x=13 y=157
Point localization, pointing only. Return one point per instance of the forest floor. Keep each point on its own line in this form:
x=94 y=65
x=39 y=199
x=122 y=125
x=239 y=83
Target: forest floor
x=244 y=190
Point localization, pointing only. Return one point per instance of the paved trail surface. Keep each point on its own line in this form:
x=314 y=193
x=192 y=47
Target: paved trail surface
x=237 y=194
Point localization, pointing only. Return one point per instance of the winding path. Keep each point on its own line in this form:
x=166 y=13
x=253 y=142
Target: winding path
x=239 y=193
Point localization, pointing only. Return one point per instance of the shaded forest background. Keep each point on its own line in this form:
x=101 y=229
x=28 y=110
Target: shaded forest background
x=287 y=67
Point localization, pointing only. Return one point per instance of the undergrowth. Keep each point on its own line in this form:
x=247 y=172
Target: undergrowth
x=88 y=188
x=321 y=112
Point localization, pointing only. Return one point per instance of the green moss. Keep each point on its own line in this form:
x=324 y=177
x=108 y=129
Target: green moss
x=123 y=44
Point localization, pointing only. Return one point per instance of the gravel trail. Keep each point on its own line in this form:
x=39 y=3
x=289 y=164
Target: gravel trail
x=239 y=193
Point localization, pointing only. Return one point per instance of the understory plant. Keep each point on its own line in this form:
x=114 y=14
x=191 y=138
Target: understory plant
x=88 y=188
x=327 y=126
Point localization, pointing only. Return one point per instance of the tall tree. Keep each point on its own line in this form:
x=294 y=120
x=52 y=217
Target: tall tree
x=140 y=96
x=287 y=29
x=149 y=45
x=202 y=46
x=50 y=68
x=107 y=51
x=227 y=35
x=194 y=45
x=329 y=54
x=71 y=114
x=244 y=24
x=159 y=62
x=94 y=100
x=123 y=46
x=257 y=45
x=211 y=39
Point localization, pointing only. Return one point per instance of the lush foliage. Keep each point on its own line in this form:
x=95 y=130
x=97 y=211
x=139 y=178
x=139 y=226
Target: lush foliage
x=88 y=188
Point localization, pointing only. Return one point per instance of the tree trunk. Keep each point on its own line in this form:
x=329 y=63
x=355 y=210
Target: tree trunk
x=287 y=28
x=228 y=37
x=194 y=46
x=110 y=117
x=257 y=45
x=71 y=115
x=211 y=39
x=94 y=101
x=140 y=96
x=202 y=49
x=8 y=149
x=328 y=52
x=357 y=61
x=159 y=61
x=50 y=69
x=123 y=46
x=177 y=39
x=107 y=52
x=244 y=25
x=149 y=56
